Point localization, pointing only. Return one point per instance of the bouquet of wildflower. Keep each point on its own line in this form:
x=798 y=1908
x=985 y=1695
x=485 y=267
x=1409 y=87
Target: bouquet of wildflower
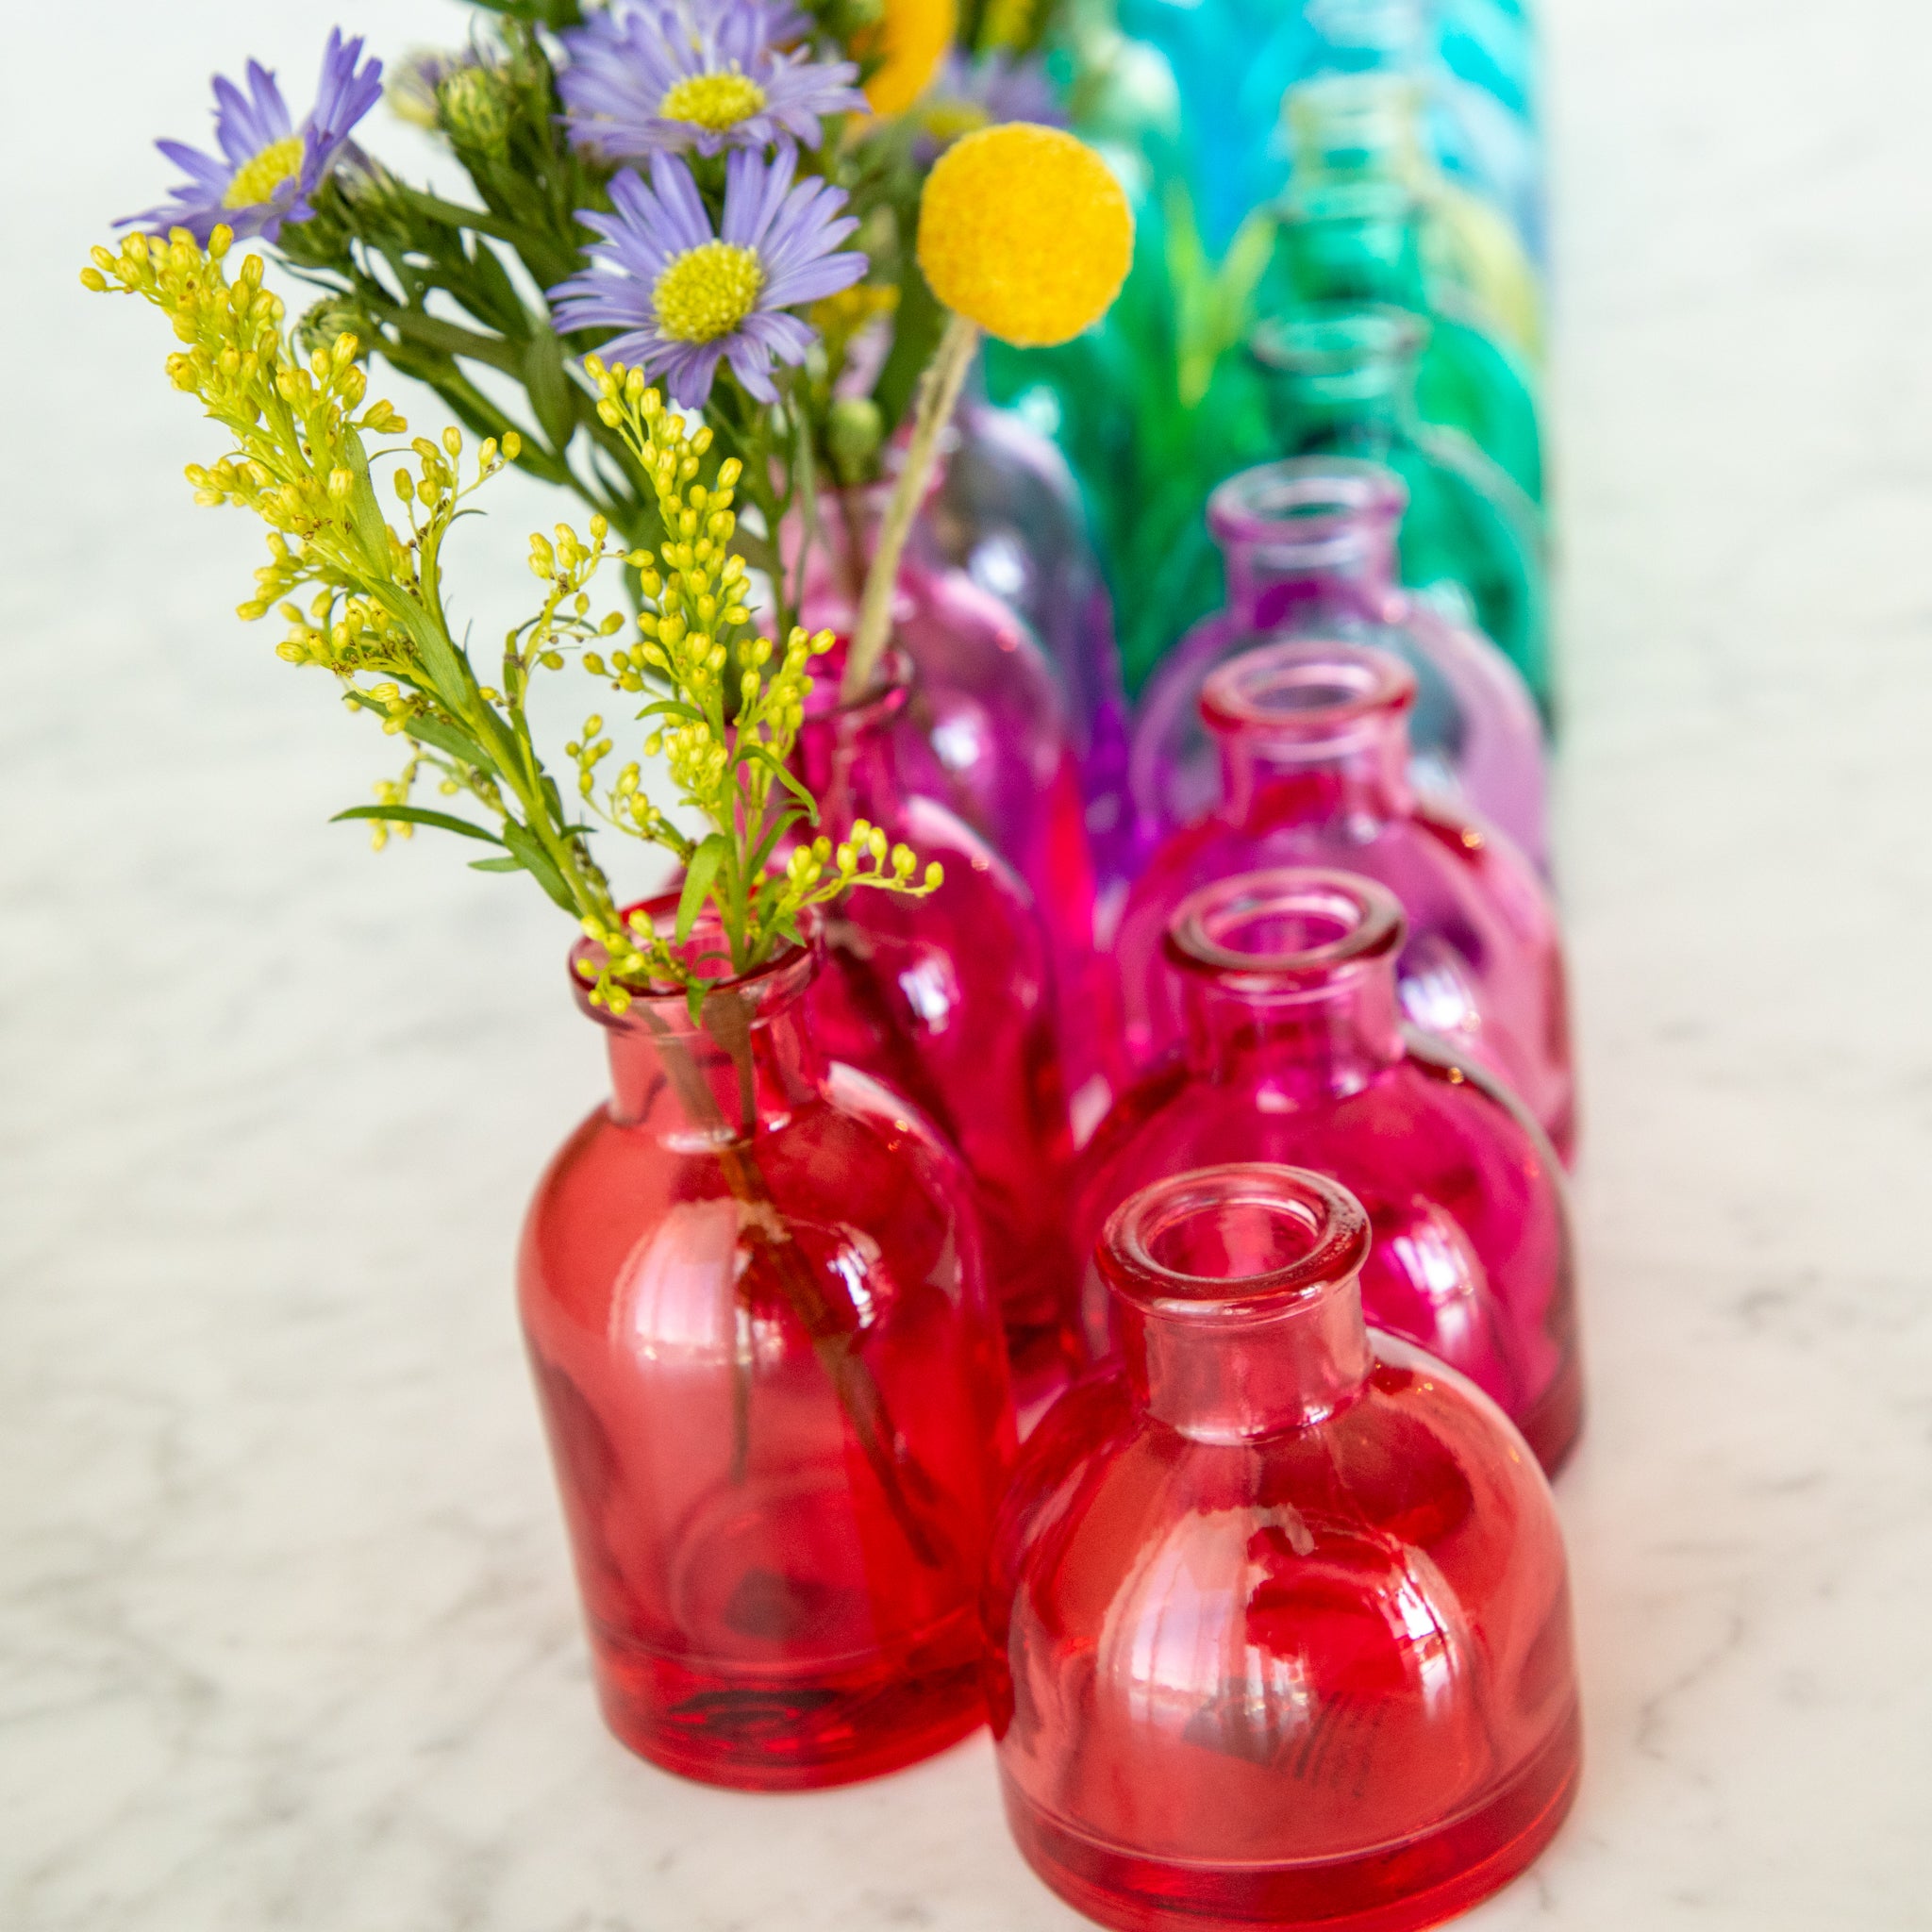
x=720 y=194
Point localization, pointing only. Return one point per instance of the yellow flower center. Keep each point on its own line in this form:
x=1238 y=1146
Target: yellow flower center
x=256 y=181
x=707 y=291
x=716 y=101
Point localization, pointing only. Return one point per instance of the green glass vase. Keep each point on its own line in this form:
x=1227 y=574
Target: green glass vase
x=1341 y=380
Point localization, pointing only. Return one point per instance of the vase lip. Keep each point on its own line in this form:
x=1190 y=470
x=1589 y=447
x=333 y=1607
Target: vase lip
x=1309 y=922
x=1321 y=1229
x=1311 y=692
x=1327 y=340
x=776 y=984
x=1373 y=198
x=1305 y=502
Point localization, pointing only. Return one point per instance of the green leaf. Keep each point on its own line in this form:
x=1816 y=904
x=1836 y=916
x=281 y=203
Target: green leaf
x=506 y=864
x=764 y=755
x=417 y=815
x=698 y=875
x=551 y=395
x=539 y=864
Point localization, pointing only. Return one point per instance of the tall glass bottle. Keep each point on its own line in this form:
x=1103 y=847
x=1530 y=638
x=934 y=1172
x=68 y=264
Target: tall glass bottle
x=752 y=1291
x=949 y=1001
x=1295 y=1051
x=1314 y=742
x=1278 y=1605
x=1360 y=240
x=1342 y=382
x=984 y=732
x=1009 y=514
x=1308 y=547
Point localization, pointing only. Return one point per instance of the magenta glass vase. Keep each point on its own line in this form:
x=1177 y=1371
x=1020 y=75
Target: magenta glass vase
x=983 y=733
x=1309 y=551
x=772 y=1376
x=1008 y=512
x=1294 y=1051
x=1278 y=1610
x=948 y=1000
x=1314 y=771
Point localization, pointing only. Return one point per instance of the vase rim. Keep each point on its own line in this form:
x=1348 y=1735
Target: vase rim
x=1311 y=690
x=1338 y=339
x=1323 y=1232
x=776 y=984
x=1303 y=501
x=1319 y=921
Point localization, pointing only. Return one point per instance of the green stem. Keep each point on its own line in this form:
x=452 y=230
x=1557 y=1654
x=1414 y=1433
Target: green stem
x=938 y=389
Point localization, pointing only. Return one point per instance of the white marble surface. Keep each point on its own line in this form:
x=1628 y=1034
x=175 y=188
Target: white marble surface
x=286 y=1635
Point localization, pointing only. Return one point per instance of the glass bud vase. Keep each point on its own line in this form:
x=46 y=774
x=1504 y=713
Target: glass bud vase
x=1308 y=547
x=771 y=1378
x=1295 y=1051
x=1342 y=382
x=1278 y=1606
x=1314 y=771
x=948 y=1000
x=983 y=733
x=1008 y=513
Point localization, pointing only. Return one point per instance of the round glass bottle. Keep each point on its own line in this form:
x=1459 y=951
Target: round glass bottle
x=1278 y=1606
x=773 y=1381
x=1295 y=1051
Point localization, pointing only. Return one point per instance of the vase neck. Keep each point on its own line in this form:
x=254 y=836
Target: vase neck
x=1364 y=126
x=845 y=753
x=1341 y=378
x=1287 y=981
x=1310 y=537
x=1240 y=1302
x=1317 y=731
x=1358 y=243
x=743 y=1067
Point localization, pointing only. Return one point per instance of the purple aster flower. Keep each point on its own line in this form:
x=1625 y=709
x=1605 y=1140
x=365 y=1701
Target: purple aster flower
x=660 y=74
x=268 y=169
x=970 y=93
x=682 y=298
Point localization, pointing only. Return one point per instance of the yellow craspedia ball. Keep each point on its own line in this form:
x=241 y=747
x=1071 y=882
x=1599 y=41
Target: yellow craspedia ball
x=913 y=38
x=1023 y=230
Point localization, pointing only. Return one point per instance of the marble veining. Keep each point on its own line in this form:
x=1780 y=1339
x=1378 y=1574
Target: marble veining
x=287 y=1638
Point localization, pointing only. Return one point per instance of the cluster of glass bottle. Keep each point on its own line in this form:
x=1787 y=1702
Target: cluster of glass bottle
x=1129 y=1295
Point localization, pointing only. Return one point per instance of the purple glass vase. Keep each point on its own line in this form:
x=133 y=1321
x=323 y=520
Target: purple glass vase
x=1310 y=549
x=1314 y=771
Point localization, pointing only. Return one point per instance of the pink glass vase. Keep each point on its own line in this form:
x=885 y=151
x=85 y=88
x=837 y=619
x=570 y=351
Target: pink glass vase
x=983 y=733
x=772 y=1376
x=948 y=1000
x=1278 y=1607
x=1295 y=1051
x=1309 y=550
x=1314 y=771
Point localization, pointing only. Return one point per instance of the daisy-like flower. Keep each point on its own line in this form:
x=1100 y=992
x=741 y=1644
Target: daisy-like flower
x=267 y=168
x=666 y=74
x=683 y=299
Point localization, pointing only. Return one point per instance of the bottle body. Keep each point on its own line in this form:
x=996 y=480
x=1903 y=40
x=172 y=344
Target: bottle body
x=1309 y=547
x=752 y=1295
x=1314 y=772
x=1276 y=1645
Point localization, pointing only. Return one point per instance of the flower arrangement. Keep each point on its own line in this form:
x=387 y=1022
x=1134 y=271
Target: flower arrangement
x=715 y=281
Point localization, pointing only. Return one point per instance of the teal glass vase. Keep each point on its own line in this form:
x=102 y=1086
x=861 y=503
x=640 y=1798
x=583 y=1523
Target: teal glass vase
x=1341 y=380
x=1361 y=241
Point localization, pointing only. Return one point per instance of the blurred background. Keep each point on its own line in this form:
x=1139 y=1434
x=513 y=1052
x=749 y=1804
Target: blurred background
x=287 y=1635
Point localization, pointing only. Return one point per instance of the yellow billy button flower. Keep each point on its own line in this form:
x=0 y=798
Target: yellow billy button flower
x=912 y=39
x=1023 y=230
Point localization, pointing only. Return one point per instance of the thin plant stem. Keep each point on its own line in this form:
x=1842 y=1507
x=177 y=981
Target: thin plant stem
x=938 y=389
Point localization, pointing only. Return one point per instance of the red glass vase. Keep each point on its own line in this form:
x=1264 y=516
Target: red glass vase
x=771 y=1378
x=1278 y=1612
x=1314 y=758
x=984 y=733
x=948 y=1000
x=1295 y=1051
